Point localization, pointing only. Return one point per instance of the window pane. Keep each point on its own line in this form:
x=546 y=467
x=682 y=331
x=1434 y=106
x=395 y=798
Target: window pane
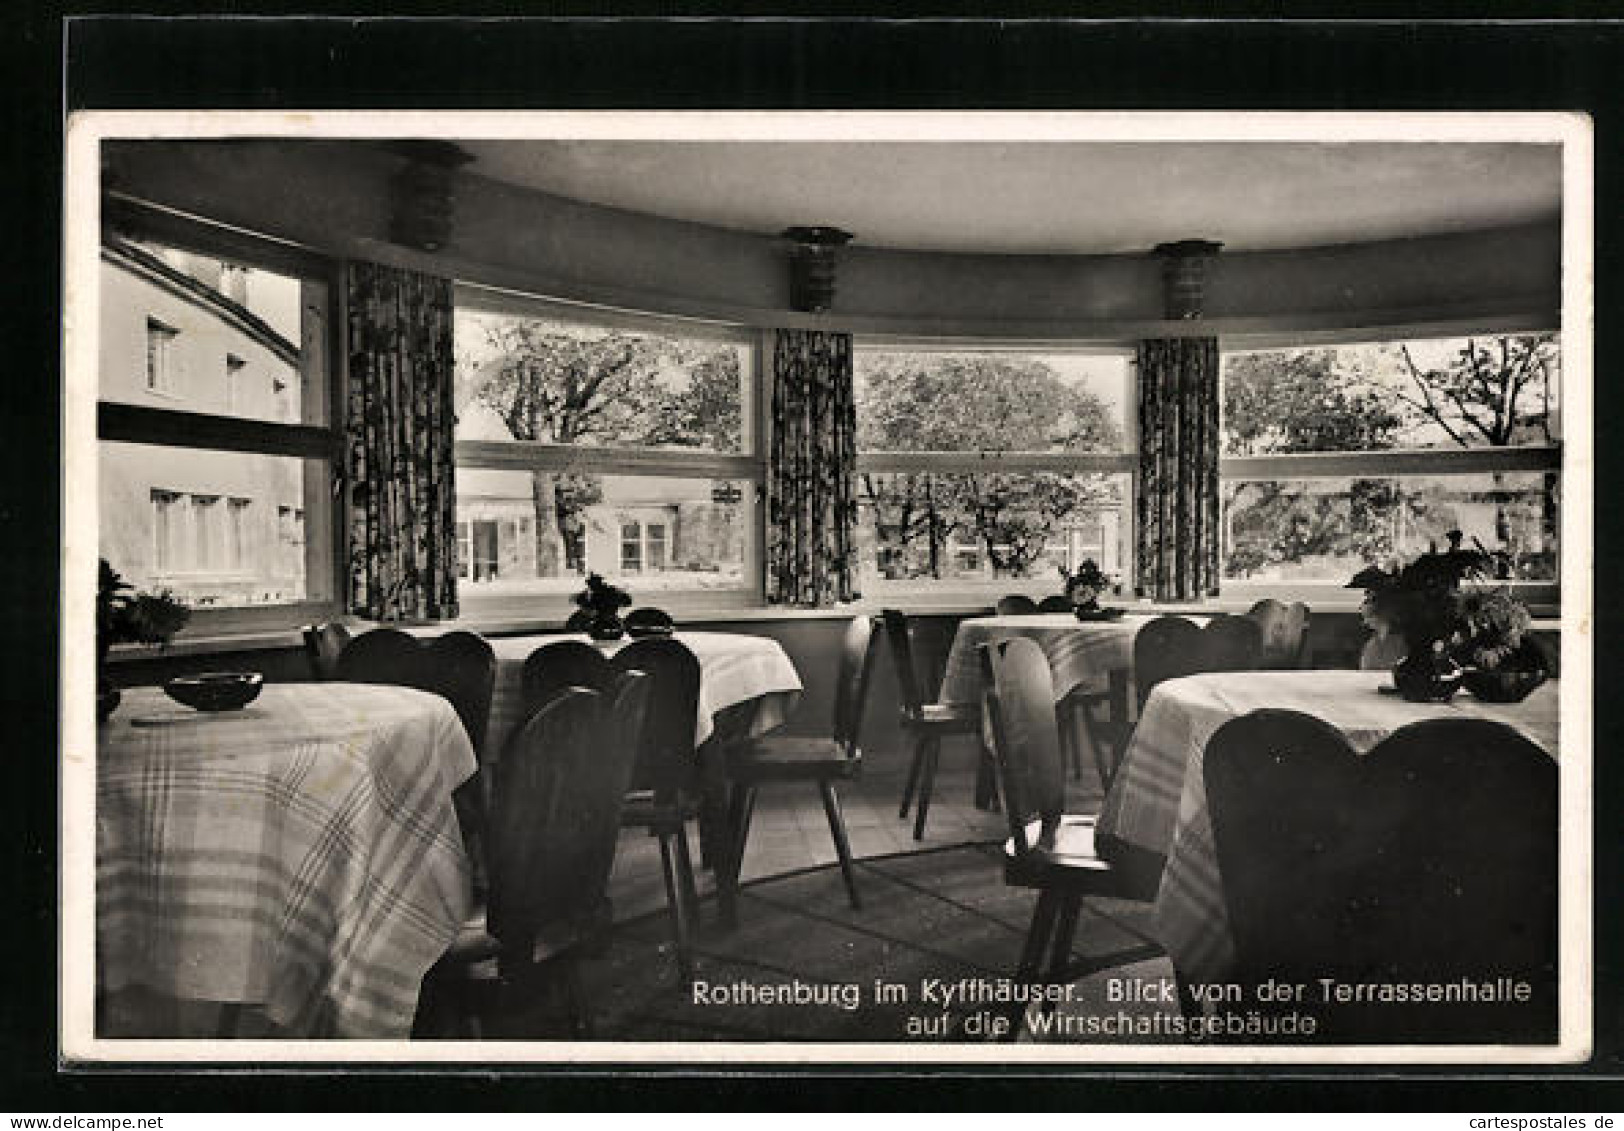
x=910 y=401
x=536 y=378
x=924 y=529
x=575 y=524
x=219 y=529
x=197 y=333
x=1492 y=391
x=1328 y=529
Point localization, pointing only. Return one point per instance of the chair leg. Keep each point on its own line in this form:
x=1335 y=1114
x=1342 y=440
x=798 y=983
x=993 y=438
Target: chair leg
x=932 y=749
x=1037 y=939
x=1065 y=932
x=685 y=868
x=740 y=808
x=837 y=829
x=677 y=900
x=913 y=775
x=1066 y=719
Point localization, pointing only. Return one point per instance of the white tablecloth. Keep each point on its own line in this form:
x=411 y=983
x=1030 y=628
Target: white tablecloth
x=1080 y=653
x=1158 y=801
x=300 y=857
x=733 y=669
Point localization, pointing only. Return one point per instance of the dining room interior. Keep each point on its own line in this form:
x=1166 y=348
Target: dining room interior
x=1008 y=589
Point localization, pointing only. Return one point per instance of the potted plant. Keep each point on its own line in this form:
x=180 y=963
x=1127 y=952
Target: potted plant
x=602 y=602
x=1085 y=584
x=1445 y=627
x=124 y=616
x=1502 y=663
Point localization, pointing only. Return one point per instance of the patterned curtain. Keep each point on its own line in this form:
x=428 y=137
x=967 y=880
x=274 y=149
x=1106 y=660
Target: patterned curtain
x=399 y=436
x=812 y=458
x=1177 y=529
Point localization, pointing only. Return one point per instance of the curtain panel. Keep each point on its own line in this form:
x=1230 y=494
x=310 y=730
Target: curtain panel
x=1177 y=528
x=400 y=424
x=812 y=460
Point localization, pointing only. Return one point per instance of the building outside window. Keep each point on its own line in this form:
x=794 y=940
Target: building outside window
x=605 y=442
x=160 y=356
x=1339 y=456
x=990 y=469
x=180 y=480
x=631 y=547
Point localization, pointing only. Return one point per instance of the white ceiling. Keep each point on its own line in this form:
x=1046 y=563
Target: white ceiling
x=1055 y=198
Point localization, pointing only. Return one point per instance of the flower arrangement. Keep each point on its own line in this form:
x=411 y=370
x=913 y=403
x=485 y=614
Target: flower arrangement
x=602 y=602
x=1454 y=633
x=1085 y=584
x=124 y=616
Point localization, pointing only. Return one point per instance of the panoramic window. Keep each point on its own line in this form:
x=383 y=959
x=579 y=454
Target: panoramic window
x=991 y=468
x=601 y=443
x=213 y=420
x=1338 y=457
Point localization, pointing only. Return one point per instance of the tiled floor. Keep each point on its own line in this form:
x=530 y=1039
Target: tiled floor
x=789 y=830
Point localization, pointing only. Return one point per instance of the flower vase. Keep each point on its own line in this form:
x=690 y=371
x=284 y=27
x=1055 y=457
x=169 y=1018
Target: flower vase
x=606 y=626
x=1427 y=677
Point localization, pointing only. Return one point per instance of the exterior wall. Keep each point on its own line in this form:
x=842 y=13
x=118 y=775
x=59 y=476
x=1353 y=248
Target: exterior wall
x=266 y=563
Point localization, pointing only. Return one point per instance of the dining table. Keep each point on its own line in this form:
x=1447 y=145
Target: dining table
x=291 y=868
x=747 y=684
x=1157 y=807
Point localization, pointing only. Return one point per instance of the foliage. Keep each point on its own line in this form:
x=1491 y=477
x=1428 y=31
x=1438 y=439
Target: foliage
x=1494 y=391
x=124 y=616
x=1491 y=627
x=556 y=384
x=1085 y=583
x=979 y=402
x=602 y=598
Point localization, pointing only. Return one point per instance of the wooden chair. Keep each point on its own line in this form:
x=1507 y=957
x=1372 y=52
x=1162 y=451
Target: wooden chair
x=458 y=666
x=562 y=781
x=1430 y=859
x=925 y=724
x=1230 y=644
x=1048 y=850
x=323 y=644
x=1285 y=633
x=663 y=796
x=1016 y=605
x=665 y=785
x=1165 y=647
x=1055 y=603
x=780 y=757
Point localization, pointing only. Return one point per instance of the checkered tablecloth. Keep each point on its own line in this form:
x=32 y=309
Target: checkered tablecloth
x=300 y=857
x=1158 y=801
x=733 y=669
x=1080 y=653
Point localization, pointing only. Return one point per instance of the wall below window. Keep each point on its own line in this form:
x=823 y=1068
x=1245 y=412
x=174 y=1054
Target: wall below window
x=813 y=645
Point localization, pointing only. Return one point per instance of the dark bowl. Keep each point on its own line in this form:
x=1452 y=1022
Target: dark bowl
x=1097 y=613
x=215 y=691
x=1503 y=686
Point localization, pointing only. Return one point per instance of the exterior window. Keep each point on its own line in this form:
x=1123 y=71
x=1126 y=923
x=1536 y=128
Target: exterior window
x=631 y=548
x=238 y=534
x=655 y=545
x=930 y=425
x=160 y=356
x=167 y=553
x=234 y=380
x=1340 y=457
x=604 y=444
x=179 y=498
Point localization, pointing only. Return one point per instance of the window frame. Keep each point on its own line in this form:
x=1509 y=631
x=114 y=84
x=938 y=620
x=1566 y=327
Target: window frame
x=1393 y=463
x=747 y=466
x=118 y=422
x=958 y=591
